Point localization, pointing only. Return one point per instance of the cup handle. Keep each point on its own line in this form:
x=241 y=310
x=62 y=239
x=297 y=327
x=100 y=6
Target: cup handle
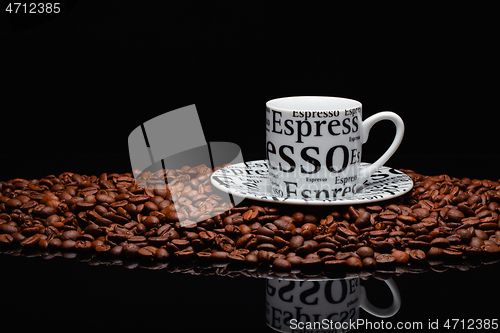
x=378 y=312
x=367 y=125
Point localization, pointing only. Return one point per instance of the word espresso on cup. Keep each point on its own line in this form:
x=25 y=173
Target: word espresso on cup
x=321 y=305
x=314 y=146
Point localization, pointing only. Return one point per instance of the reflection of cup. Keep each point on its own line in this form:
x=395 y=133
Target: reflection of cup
x=321 y=305
x=314 y=143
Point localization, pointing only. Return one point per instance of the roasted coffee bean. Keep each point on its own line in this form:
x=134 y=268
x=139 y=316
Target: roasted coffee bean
x=385 y=258
x=130 y=249
x=363 y=220
x=8 y=228
x=420 y=213
x=417 y=255
x=265 y=232
x=369 y=263
x=55 y=243
x=147 y=252
x=252 y=259
x=435 y=252
x=83 y=245
x=184 y=254
x=236 y=257
x=364 y=252
x=151 y=222
x=70 y=234
x=452 y=252
x=401 y=256
x=382 y=246
x=13 y=203
x=455 y=215
x=243 y=240
x=104 y=198
x=481 y=234
x=6 y=239
x=476 y=242
x=491 y=248
x=335 y=264
x=219 y=255
x=284 y=225
x=378 y=233
x=415 y=244
x=440 y=242
x=354 y=263
x=32 y=241
x=68 y=244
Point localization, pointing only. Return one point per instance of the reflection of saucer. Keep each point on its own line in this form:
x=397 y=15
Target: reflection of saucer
x=250 y=180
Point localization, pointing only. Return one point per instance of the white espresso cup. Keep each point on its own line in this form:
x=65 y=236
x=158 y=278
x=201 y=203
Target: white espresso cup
x=314 y=143
x=321 y=305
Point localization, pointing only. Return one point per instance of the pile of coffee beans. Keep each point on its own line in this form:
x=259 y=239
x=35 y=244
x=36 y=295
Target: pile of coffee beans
x=113 y=215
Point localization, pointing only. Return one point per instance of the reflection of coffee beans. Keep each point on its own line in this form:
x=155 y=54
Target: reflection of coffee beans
x=441 y=217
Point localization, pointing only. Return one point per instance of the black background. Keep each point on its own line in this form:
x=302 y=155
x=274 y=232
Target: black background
x=76 y=84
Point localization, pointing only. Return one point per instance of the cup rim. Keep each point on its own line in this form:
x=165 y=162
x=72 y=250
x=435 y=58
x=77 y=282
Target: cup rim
x=317 y=103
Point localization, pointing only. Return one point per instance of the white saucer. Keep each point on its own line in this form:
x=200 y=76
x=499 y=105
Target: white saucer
x=250 y=180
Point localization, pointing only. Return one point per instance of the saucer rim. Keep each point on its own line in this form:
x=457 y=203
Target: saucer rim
x=295 y=201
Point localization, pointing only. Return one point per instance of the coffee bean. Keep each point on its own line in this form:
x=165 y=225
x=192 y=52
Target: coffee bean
x=452 y=252
x=68 y=244
x=363 y=221
x=455 y=215
x=296 y=242
x=440 y=242
x=265 y=232
x=243 y=241
x=401 y=256
x=235 y=257
x=117 y=250
x=417 y=255
x=379 y=233
x=147 y=252
x=364 y=252
x=252 y=259
x=284 y=225
x=219 y=255
x=421 y=213
x=83 y=245
x=282 y=264
x=104 y=198
x=130 y=249
x=382 y=246
x=385 y=258
x=13 y=203
x=151 y=222
x=476 y=242
x=335 y=264
x=344 y=232
x=354 y=263
x=8 y=228
x=55 y=243
x=32 y=241
x=184 y=254
x=491 y=248
x=70 y=234
x=435 y=252
x=369 y=263
x=481 y=234
x=6 y=239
